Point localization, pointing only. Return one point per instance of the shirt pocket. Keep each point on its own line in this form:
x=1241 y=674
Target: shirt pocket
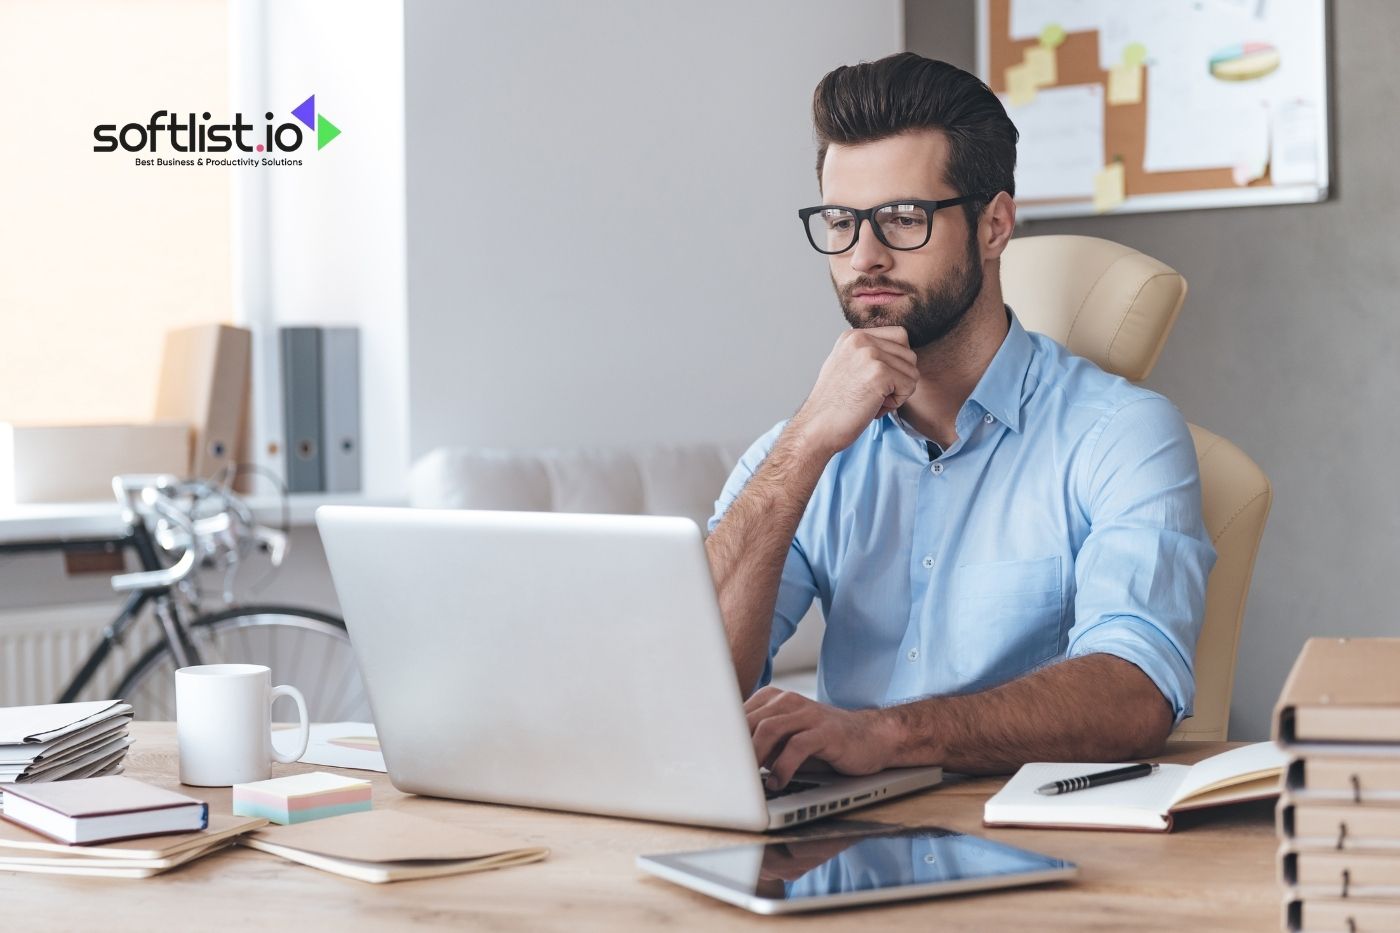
x=1005 y=619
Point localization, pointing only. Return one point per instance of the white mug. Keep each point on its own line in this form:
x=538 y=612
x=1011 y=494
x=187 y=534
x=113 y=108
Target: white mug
x=223 y=720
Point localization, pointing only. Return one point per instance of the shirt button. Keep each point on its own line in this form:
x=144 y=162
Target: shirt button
x=935 y=468
x=928 y=561
x=913 y=654
x=988 y=418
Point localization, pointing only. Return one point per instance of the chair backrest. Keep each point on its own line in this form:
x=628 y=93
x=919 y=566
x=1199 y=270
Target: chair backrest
x=1116 y=306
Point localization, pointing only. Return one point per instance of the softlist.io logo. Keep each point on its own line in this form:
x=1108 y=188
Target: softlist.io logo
x=194 y=138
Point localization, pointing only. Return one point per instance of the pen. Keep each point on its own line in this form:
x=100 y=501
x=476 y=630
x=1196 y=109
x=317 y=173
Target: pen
x=1094 y=780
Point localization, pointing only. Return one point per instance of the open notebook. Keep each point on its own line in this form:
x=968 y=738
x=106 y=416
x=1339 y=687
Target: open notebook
x=1251 y=772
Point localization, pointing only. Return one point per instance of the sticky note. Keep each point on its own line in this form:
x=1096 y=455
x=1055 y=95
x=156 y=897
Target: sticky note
x=1043 y=65
x=1052 y=36
x=1108 y=187
x=1135 y=53
x=1125 y=84
x=1019 y=85
x=301 y=797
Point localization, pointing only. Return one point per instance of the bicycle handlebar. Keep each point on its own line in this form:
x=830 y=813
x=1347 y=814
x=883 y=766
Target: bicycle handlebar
x=155 y=495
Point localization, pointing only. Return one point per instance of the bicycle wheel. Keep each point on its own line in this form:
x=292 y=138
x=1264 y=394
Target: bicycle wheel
x=306 y=648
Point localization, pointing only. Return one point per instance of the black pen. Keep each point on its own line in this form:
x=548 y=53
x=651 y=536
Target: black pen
x=1094 y=780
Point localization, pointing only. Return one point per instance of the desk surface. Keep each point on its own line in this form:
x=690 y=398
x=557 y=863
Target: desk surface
x=1216 y=872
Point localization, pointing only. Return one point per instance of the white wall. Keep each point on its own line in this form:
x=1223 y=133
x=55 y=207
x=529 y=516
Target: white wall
x=602 y=235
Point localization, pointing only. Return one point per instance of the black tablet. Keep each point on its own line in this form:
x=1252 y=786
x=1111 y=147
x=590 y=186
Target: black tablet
x=863 y=868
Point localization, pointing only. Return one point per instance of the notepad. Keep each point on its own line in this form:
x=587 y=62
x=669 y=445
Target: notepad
x=1251 y=772
x=301 y=797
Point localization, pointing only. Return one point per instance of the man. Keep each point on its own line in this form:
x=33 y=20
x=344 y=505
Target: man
x=1006 y=541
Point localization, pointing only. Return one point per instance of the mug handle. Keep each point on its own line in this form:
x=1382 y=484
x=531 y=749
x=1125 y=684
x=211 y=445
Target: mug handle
x=303 y=729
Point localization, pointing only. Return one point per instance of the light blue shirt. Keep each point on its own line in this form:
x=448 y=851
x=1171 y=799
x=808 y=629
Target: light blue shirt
x=1064 y=521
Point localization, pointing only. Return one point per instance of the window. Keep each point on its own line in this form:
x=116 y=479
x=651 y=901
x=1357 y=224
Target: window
x=100 y=257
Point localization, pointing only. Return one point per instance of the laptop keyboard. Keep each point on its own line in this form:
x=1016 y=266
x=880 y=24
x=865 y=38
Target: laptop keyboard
x=793 y=787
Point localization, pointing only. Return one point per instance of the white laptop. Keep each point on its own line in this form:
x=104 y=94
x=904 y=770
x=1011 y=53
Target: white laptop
x=574 y=662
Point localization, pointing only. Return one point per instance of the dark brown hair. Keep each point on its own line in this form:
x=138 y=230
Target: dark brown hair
x=875 y=100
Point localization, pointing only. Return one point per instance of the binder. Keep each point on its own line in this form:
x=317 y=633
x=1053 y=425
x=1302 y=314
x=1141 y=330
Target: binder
x=204 y=382
x=1341 y=690
x=301 y=409
x=340 y=395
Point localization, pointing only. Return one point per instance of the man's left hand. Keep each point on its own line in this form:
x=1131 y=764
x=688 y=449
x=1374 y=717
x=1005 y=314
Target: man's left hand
x=789 y=730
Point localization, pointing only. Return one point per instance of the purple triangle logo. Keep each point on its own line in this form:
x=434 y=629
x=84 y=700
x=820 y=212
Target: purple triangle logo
x=306 y=113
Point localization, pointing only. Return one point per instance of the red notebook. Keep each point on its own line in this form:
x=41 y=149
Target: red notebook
x=102 y=809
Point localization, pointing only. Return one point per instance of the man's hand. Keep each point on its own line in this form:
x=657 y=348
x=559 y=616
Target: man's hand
x=789 y=730
x=869 y=372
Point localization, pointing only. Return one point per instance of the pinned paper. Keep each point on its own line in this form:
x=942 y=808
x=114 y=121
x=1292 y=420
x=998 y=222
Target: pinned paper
x=1043 y=65
x=1020 y=86
x=1109 y=187
x=1125 y=84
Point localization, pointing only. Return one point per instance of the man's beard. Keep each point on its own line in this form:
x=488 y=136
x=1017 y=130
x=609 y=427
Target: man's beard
x=936 y=310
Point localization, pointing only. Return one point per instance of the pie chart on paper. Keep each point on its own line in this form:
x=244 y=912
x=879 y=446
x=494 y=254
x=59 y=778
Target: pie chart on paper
x=1247 y=61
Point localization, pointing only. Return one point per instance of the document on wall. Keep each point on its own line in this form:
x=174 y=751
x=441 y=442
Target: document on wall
x=1067 y=125
x=336 y=745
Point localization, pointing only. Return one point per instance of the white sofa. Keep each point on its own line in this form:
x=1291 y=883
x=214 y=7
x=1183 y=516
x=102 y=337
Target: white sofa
x=682 y=481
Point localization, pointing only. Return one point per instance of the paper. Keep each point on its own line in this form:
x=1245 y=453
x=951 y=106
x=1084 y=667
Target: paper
x=1043 y=65
x=1125 y=84
x=1293 y=144
x=1197 y=121
x=1020 y=85
x=1062 y=143
x=42 y=724
x=337 y=745
x=1108 y=187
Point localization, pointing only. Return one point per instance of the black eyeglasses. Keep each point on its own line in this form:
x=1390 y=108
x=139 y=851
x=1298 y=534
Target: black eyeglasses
x=905 y=225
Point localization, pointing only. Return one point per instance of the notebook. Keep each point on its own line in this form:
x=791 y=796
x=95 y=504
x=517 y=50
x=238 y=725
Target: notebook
x=25 y=851
x=1369 y=781
x=102 y=809
x=1338 y=826
x=1323 y=873
x=386 y=845
x=1341 y=690
x=1251 y=772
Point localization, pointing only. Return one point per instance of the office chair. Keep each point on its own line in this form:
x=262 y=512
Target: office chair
x=1114 y=305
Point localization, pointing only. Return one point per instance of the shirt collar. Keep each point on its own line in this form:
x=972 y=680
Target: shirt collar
x=1000 y=388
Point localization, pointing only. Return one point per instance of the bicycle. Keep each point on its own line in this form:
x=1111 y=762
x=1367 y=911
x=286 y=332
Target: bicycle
x=175 y=528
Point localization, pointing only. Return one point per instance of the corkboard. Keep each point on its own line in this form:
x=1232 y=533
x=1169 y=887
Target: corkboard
x=1125 y=125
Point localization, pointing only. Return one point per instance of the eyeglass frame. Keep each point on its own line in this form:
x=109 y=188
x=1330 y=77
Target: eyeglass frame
x=868 y=214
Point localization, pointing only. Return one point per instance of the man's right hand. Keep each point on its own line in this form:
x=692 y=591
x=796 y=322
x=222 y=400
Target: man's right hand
x=870 y=371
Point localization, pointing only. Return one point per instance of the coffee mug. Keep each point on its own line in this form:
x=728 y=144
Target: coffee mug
x=223 y=721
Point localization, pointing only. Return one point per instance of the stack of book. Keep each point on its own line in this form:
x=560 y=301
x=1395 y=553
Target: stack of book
x=1339 y=816
x=62 y=741
x=105 y=826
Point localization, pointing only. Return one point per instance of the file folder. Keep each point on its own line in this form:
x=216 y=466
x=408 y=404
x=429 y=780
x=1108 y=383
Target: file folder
x=301 y=409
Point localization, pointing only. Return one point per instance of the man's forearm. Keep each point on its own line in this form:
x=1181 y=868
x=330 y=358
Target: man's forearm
x=749 y=546
x=1093 y=708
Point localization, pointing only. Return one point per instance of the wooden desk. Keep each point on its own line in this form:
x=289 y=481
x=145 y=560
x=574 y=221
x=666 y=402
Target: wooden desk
x=1216 y=872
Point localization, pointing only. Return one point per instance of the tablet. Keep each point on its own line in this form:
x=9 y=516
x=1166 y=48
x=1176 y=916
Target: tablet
x=898 y=863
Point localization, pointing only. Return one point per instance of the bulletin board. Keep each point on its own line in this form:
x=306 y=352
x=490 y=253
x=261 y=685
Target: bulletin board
x=1162 y=105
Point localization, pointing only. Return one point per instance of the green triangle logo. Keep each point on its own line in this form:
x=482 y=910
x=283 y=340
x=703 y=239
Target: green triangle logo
x=325 y=131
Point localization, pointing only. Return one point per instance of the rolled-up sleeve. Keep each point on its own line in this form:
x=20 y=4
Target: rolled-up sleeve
x=798 y=586
x=1140 y=575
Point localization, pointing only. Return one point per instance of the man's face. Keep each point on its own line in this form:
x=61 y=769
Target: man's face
x=927 y=290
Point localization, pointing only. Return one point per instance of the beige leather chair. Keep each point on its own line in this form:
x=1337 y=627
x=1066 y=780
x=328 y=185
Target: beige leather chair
x=1116 y=306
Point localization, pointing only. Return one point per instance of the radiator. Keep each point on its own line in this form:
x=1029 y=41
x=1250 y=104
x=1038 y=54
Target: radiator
x=42 y=648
